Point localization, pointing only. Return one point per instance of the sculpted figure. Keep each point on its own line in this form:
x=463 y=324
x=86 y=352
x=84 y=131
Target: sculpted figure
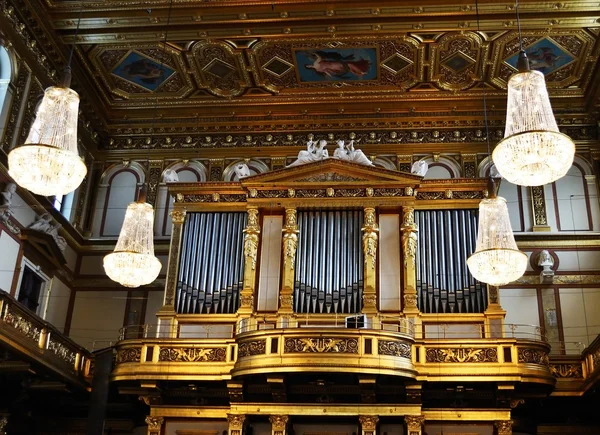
x=314 y=153
x=545 y=260
x=419 y=168
x=171 y=176
x=7 y=194
x=241 y=170
x=44 y=224
x=348 y=153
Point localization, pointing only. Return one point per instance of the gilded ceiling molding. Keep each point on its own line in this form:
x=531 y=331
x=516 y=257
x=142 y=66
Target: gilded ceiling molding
x=219 y=68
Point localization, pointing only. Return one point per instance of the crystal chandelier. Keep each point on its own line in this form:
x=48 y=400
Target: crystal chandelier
x=133 y=263
x=496 y=260
x=533 y=151
x=48 y=163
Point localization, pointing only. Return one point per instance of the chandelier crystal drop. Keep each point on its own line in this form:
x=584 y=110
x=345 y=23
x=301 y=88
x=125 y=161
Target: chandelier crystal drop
x=533 y=151
x=133 y=263
x=496 y=260
x=48 y=163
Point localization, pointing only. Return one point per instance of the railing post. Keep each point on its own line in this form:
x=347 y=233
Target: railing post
x=290 y=245
x=494 y=314
x=370 y=237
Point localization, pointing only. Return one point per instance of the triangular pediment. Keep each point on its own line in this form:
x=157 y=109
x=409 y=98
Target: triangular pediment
x=332 y=171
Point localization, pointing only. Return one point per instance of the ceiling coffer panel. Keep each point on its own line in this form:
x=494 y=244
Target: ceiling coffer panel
x=136 y=72
x=219 y=68
x=323 y=64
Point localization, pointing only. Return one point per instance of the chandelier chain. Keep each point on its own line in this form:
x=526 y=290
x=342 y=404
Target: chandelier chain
x=76 y=35
x=485 y=112
x=519 y=25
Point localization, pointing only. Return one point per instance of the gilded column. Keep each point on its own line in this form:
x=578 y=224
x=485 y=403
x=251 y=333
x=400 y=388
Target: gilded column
x=236 y=424
x=370 y=237
x=166 y=315
x=251 y=234
x=504 y=427
x=154 y=425
x=290 y=244
x=409 y=252
x=414 y=424
x=540 y=216
x=278 y=424
x=368 y=424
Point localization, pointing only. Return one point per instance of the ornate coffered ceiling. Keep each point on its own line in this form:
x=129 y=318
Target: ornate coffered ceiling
x=244 y=74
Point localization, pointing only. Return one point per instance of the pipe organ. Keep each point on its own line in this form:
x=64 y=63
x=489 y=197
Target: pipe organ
x=444 y=284
x=329 y=262
x=211 y=263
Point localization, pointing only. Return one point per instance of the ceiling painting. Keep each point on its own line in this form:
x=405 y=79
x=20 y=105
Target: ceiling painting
x=341 y=64
x=143 y=71
x=545 y=56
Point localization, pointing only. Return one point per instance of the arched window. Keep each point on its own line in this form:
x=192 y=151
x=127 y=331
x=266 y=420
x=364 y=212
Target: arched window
x=575 y=199
x=441 y=169
x=5 y=76
x=189 y=172
x=118 y=187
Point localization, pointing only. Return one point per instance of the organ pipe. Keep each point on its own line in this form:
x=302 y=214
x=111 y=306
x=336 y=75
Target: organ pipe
x=444 y=284
x=329 y=262
x=211 y=263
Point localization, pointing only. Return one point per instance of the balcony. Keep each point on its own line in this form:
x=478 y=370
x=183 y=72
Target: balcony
x=33 y=342
x=519 y=355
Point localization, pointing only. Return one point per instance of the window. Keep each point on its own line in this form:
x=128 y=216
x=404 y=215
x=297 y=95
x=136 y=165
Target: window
x=5 y=73
x=30 y=289
x=64 y=204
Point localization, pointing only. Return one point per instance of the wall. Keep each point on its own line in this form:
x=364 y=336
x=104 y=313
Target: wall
x=9 y=248
x=97 y=317
x=58 y=305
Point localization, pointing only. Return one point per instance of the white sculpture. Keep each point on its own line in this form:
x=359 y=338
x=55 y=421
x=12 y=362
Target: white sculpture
x=7 y=194
x=314 y=153
x=5 y=207
x=241 y=170
x=546 y=261
x=349 y=154
x=171 y=176
x=44 y=224
x=420 y=168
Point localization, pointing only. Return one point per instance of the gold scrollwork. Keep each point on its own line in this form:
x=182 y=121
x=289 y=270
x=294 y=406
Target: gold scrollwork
x=532 y=356
x=129 y=355
x=461 y=355
x=251 y=237
x=566 y=370
x=321 y=345
x=539 y=205
x=290 y=238
x=394 y=348
x=251 y=348
x=192 y=354
x=410 y=301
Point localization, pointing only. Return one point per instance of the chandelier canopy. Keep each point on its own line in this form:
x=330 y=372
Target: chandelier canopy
x=533 y=151
x=133 y=263
x=48 y=163
x=496 y=260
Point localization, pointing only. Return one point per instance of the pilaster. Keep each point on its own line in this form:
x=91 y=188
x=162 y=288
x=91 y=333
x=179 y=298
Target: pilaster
x=166 y=315
x=236 y=423
x=409 y=252
x=368 y=424
x=290 y=245
x=251 y=238
x=540 y=215
x=278 y=424
x=154 y=425
x=503 y=427
x=414 y=424
x=370 y=238
x=155 y=168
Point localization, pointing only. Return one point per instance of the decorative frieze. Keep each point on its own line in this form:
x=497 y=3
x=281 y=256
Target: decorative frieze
x=566 y=370
x=61 y=350
x=461 y=355
x=251 y=348
x=321 y=345
x=192 y=354
x=394 y=348
x=22 y=324
x=532 y=356
x=129 y=355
